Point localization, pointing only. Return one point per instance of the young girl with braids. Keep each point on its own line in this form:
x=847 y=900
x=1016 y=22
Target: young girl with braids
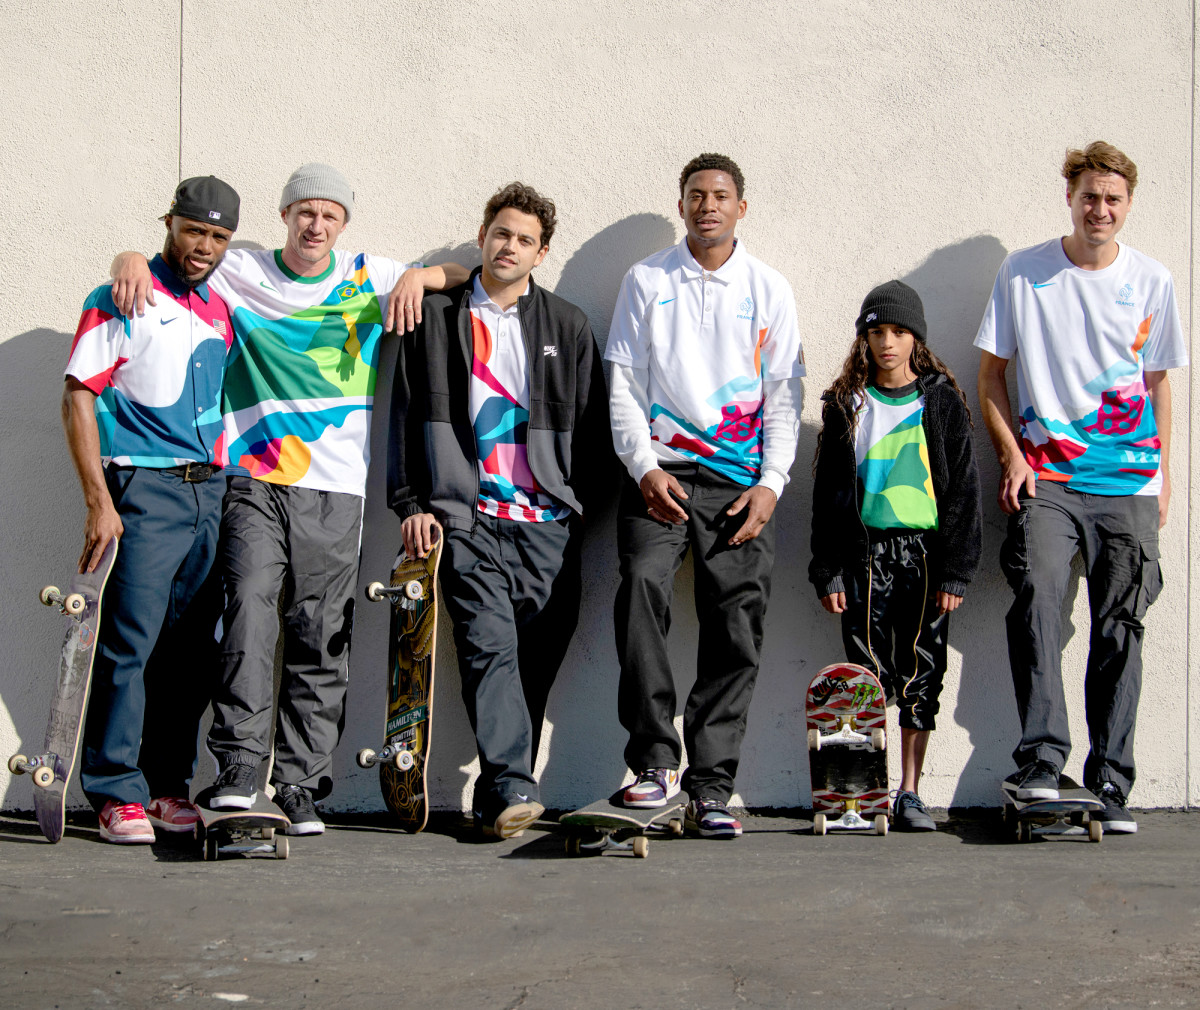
x=896 y=517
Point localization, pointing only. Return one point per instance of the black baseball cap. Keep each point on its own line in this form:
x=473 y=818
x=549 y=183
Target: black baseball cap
x=206 y=198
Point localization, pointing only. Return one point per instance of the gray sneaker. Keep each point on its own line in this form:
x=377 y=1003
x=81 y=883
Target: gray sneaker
x=909 y=813
x=1038 y=780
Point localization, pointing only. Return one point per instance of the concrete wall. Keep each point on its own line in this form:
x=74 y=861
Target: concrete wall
x=919 y=141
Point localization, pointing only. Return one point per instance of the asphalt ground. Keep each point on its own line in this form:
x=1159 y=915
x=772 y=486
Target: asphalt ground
x=365 y=916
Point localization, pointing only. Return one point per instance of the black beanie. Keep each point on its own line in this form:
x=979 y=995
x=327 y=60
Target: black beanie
x=896 y=303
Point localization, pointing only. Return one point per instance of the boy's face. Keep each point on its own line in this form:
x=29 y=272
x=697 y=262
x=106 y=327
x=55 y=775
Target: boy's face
x=710 y=208
x=512 y=246
x=891 y=350
x=1099 y=202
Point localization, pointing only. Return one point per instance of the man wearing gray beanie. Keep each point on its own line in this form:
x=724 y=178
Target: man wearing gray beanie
x=298 y=396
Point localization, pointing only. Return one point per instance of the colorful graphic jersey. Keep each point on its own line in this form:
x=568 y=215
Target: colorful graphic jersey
x=1084 y=340
x=500 y=415
x=710 y=340
x=894 y=482
x=157 y=377
x=300 y=383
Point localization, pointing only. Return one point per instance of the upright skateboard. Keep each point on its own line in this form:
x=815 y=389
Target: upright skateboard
x=404 y=756
x=51 y=769
x=608 y=826
x=253 y=832
x=1070 y=814
x=847 y=734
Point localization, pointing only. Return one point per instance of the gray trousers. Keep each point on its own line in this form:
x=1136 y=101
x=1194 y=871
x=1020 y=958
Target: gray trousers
x=733 y=585
x=1118 y=538
x=512 y=592
x=302 y=544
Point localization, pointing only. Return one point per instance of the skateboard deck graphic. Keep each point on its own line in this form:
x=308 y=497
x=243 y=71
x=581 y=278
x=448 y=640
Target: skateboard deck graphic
x=847 y=734
x=609 y=826
x=412 y=641
x=52 y=768
x=1069 y=815
x=253 y=832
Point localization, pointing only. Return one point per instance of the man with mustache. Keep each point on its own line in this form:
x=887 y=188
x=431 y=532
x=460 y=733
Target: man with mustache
x=141 y=409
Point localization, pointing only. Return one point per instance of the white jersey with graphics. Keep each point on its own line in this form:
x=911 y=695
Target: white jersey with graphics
x=710 y=341
x=1083 y=341
x=300 y=379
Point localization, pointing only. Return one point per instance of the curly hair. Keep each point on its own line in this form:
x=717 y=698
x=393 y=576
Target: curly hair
x=858 y=372
x=714 y=163
x=1101 y=157
x=527 y=200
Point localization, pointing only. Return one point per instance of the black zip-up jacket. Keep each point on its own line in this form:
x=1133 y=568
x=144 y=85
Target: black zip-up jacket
x=432 y=458
x=839 y=536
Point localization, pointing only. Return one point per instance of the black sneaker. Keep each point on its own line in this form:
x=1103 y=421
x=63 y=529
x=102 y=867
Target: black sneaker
x=1115 y=816
x=911 y=814
x=297 y=803
x=1038 y=780
x=236 y=788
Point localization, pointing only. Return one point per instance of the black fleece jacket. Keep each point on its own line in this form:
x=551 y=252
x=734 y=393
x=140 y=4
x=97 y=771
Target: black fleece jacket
x=839 y=536
x=432 y=458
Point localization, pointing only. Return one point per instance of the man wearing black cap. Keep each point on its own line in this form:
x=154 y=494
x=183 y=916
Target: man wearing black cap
x=141 y=409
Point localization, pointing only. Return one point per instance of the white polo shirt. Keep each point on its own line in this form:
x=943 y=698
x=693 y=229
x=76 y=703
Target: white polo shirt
x=714 y=344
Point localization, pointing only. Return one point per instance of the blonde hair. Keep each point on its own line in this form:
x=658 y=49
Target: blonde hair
x=1099 y=156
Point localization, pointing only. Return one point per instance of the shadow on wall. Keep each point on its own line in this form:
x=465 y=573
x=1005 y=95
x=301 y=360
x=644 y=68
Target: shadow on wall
x=40 y=498
x=955 y=283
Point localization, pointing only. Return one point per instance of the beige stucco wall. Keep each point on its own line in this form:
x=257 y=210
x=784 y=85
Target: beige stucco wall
x=879 y=140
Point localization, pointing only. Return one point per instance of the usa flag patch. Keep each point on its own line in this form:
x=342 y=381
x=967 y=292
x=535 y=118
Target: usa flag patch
x=219 y=326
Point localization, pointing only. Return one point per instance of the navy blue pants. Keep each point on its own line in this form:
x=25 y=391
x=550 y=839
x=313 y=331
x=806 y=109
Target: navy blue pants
x=512 y=592
x=154 y=665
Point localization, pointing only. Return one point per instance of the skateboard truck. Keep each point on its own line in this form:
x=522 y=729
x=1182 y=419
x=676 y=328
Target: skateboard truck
x=405 y=595
x=851 y=820
x=40 y=766
x=393 y=753
x=72 y=603
x=848 y=735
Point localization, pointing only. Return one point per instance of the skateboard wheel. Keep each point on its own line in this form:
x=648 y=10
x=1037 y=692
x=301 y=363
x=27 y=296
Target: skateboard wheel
x=814 y=739
x=818 y=824
x=881 y=824
x=878 y=739
x=17 y=763
x=49 y=594
x=74 y=603
x=572 y=845
x=641 y=846
x=212 y=851
x=1095 y=830
x=281 y=847
x=414 y=590
x=365 y=758
x=375 y=592
x=1024 y=831
x=675 y=826
x=43 y=776
x=403 y=760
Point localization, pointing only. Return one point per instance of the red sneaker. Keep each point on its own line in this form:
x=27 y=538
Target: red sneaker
x=173 y=813
x=125 y=824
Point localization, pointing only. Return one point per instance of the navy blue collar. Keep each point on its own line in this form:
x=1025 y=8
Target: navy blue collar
x=162 y=270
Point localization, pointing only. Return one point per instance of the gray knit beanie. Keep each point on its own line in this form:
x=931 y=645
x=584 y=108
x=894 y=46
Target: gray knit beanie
x=315 y=181
x=896 y=303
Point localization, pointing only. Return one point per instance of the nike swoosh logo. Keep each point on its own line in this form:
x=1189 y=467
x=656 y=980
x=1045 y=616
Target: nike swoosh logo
x=163 y=322
x=264 y=284
x=668 y=300
x=1044 y=284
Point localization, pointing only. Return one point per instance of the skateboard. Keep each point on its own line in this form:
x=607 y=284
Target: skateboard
x=1070 y=814
x=608 y=826
x=253 y=832
x=847 y=734
x=404 y=756
x=51 y=769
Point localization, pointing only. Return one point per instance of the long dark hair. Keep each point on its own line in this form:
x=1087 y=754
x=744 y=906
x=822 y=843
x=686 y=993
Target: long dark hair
x=858 y=372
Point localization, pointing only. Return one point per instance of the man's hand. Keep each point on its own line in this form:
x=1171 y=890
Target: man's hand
x=101 y=525
x=1164 y=500
x=133 y=284
x=947 y=602
x=419 y=533
x=657 y=487
x=758 y=503
x=1016 y=474
x=404 y=303
x=835 y=603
